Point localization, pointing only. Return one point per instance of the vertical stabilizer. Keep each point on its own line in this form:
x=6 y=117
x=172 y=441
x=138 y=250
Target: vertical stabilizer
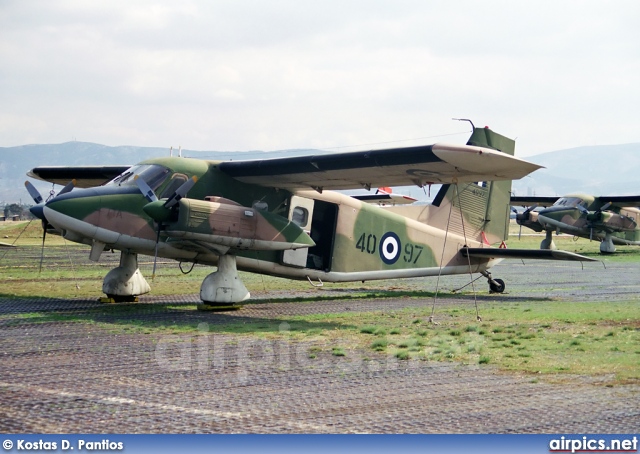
x=480 y=210
x=485 y=137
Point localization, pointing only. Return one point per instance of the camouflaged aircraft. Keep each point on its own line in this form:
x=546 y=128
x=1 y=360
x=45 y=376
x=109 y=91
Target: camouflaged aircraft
x=280 y=216
x=610 y=220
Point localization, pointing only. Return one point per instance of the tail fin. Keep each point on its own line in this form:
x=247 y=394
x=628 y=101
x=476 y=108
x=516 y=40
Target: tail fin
x=480 y=210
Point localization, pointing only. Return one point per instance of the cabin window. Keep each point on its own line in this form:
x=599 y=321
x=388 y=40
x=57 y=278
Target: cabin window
x=300 y=216
x=177 y=180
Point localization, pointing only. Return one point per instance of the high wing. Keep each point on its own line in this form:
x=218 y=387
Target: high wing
x=421 y=165
x=533 y=200
x=386 y=199
x=622 y=201
x=85 y=176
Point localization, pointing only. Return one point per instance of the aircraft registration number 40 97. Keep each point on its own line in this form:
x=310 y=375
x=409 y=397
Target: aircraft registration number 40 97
x=389 y=248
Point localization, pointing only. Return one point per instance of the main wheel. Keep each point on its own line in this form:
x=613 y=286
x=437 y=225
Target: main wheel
x=497 y=286
x=123 y=298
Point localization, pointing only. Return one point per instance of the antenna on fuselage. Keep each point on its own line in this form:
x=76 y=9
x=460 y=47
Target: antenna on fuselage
x=465 y=119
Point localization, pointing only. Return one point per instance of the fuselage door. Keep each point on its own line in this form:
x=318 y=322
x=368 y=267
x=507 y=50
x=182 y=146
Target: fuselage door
x=300 y=213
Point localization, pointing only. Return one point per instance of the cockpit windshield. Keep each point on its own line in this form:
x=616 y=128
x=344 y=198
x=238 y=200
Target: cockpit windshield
x=153 y=174
x=570 y=202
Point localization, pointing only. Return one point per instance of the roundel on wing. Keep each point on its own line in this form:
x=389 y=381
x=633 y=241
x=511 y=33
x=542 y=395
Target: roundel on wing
x=390 y=248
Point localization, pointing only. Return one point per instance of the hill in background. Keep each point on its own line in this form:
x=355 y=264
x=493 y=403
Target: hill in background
x=597 y=170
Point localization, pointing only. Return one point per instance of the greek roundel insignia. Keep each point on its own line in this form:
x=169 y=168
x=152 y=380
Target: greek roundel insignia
x=390 y=248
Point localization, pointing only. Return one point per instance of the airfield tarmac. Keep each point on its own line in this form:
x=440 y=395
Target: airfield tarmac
x=64 y=377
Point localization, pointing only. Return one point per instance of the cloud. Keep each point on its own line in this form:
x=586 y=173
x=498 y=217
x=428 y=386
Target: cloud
x=229 y=75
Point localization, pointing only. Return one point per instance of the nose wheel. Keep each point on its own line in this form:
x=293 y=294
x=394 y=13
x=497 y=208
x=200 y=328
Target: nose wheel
x=495 y=285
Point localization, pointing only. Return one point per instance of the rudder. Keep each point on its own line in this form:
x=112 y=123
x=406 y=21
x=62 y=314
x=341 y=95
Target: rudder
x=481 y=210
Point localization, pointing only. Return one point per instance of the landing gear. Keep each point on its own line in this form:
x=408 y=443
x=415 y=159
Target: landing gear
x=125 y=283
x=548 y=243
x=223 y=289
x=607 y=246
x=495 y=285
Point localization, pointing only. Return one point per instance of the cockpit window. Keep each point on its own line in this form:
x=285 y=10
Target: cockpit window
x=570 y=202
x=177 y=180
x=154 y=175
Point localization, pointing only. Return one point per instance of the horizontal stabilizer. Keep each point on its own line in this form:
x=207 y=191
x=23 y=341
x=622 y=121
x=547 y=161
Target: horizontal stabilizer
x=536 y=254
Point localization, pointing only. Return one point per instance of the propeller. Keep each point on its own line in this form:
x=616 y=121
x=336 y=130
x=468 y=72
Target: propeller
x=69 y=186
x=523 y=217
x=38 y=209
x=517 y=214
x=606 y=206
x=180 y=192
x=161 y=211
x=593 y=216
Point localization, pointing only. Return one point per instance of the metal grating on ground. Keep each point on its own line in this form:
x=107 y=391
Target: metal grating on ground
x=61 y=377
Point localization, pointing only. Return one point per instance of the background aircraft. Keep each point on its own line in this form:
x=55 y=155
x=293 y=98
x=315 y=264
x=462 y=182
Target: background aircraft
x=610 y=220
x=280 y=217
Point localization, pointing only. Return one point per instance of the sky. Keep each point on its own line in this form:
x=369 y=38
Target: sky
x=230 y=75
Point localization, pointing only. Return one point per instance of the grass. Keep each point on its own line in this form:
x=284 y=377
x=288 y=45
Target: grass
x=67 y=272
x=553 y=339
x=601 y=341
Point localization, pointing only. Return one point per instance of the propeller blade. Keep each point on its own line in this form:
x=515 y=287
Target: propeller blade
x=605 y=207
x=33 y=192
x=180 y=192
x=155 y=255
x=582 y=209
x=44 y=237
x=145 y=189
x=68 y=188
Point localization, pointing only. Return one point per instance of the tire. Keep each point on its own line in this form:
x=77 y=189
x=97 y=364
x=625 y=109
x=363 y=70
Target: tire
x=497 y=286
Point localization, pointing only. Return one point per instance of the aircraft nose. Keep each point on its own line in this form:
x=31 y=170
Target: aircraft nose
x=38 y=211
x=72 y=204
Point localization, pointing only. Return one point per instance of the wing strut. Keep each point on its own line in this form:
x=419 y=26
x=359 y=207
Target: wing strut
x=444 y=246
x=446 y=236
